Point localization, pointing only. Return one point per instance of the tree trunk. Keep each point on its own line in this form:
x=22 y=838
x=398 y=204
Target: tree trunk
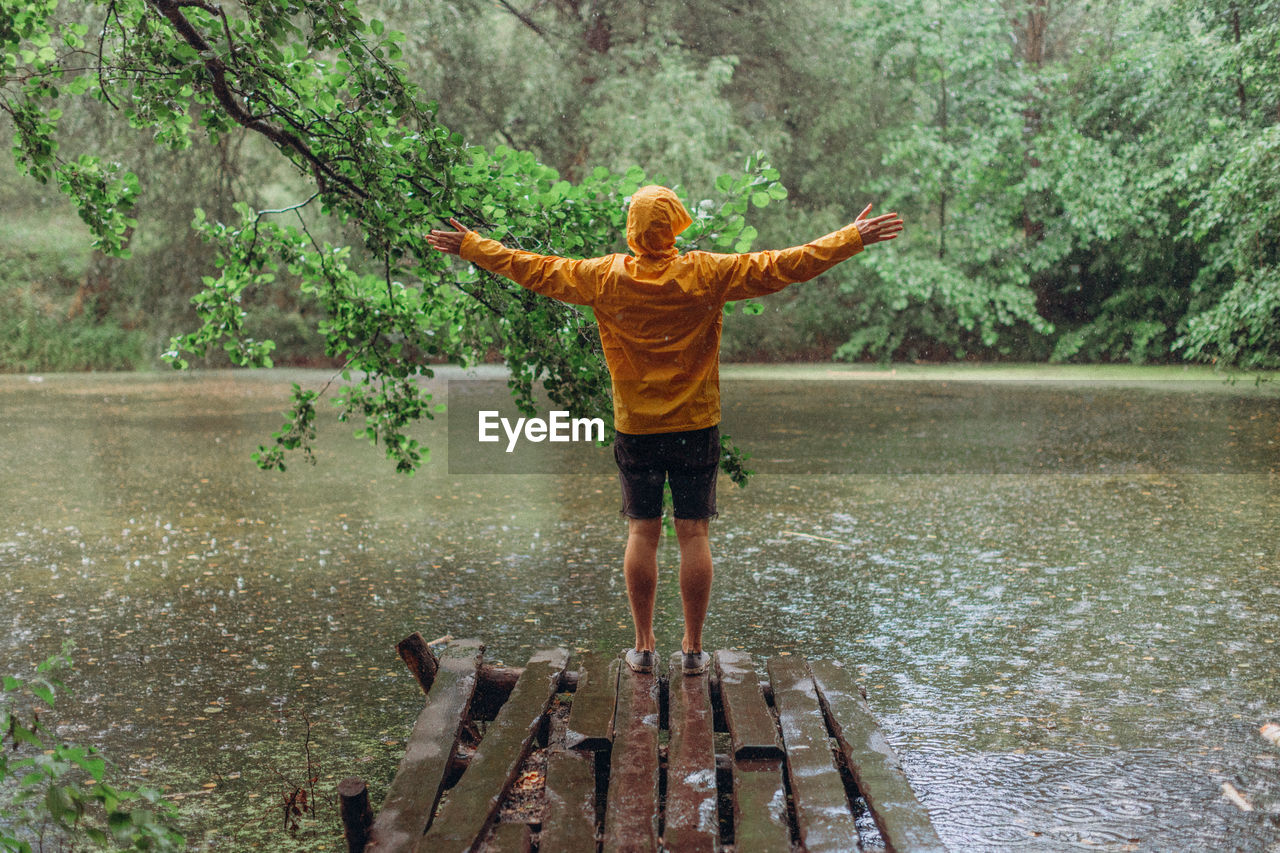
x=1240 y=92
x=942 y=202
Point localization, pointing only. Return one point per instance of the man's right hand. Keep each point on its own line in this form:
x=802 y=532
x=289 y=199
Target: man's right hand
x=450 y=242
x=886 y=226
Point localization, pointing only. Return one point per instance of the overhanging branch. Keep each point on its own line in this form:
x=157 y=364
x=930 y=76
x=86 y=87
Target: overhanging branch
x=171 y=10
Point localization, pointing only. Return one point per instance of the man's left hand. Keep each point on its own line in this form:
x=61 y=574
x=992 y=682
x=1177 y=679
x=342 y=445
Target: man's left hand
x=449 y=242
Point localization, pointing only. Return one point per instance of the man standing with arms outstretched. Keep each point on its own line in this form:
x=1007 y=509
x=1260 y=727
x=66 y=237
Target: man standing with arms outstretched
x=659 y=313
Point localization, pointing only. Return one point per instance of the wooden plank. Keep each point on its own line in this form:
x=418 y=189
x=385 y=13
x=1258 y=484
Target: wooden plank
x=631 y=809
x=569 y=825
x=594 y=702
x=412 y=797
x=823 y=817
x=752 y=730
x=692 y=816
x=473 y=802
x=509 y=838
x=760 y=821
x=903 y=822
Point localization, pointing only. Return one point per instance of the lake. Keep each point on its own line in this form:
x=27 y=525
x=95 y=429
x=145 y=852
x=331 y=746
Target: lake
x=1061 y=590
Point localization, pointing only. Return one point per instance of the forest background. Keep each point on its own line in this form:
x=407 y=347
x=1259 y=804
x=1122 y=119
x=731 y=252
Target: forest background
x=1083 y=180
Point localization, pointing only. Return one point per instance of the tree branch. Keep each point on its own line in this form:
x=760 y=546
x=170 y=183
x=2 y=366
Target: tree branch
x=171 y=10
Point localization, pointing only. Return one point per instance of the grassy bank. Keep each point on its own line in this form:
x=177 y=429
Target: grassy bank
x=48 y=318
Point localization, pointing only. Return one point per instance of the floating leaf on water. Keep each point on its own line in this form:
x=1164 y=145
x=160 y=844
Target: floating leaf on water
x=1229 y=791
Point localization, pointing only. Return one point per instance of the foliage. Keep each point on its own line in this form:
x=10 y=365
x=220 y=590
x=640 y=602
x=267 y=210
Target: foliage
x=34 y=339
x=56 y=793
x=1163 y=173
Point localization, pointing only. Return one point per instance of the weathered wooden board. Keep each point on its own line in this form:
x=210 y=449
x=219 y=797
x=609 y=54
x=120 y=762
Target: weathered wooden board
x=569 y=825
x=509 y=838
x=631 y=814
x=760 y=820
x=752 y=730
x=806 y=732
x=692 y=819
x=823 y=816
x=904 y=824
x=473 y=802
x=594 y=702
x=415 y=789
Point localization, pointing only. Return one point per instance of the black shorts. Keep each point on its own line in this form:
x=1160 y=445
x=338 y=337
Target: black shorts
x=690 y=459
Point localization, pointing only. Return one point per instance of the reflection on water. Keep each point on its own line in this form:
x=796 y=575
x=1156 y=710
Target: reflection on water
x=1063 y=600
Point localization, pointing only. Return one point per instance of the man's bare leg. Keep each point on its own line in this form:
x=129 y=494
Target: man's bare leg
x=695 y=578
x=640 y=568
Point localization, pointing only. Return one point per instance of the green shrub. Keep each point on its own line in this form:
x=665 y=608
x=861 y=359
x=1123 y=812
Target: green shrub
x=36 y=337
x=55 y=794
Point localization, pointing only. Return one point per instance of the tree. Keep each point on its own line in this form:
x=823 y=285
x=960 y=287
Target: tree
x=1165 y=184
x=954 y=161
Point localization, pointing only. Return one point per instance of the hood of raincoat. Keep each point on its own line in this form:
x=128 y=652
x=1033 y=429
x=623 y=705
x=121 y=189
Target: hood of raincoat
x=654 y=220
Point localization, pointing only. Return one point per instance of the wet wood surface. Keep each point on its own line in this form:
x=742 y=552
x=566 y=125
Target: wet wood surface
x=760 y=819
x=824 y=817
x=474 y=801
x=903 y=823
x=417 y=655
x=803 y=753
x=631 y=812
x=569 y=823
x=416 y=787
x=692 y=818
x=752 y=729
x=356 y=813
x=508 y=838
x=594 y=701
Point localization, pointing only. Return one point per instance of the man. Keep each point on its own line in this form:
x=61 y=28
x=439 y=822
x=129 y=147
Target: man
x=659 y=314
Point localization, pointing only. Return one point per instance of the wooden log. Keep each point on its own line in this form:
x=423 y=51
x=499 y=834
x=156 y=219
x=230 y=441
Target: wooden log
x=752 y=730
x=631 y=809
x=824 y=818
x=509 y=838
x=692 y=814
x=414 y=791
x=760 y=820
x=473 y=803
x=903 y=822
x=357 y=816
x=569 y=825
x=496 y=683
x=417 y=655
x=594 y=702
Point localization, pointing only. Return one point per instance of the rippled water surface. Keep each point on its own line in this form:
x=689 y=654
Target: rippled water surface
x=1063 y=597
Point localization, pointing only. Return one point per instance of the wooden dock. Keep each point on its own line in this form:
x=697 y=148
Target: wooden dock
x=581 y=754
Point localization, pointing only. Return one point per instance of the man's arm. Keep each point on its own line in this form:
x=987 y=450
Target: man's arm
x=565 y=279
x=758 y=273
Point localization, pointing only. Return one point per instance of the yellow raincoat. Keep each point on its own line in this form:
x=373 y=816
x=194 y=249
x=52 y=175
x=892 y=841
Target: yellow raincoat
x=660 y=311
